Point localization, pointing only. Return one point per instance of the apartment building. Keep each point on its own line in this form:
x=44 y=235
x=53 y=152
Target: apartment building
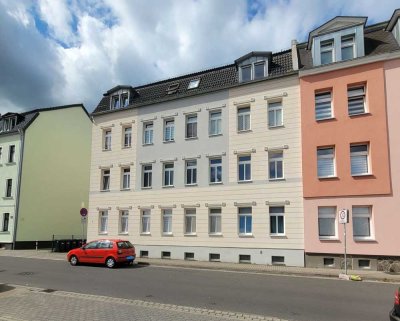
x=205 y=166
x=44 y=174
x=350 y=143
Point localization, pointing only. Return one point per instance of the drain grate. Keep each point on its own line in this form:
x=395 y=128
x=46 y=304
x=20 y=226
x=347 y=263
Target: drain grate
x=48 y=290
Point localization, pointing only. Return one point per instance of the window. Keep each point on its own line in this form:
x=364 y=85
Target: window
x=172 y=88
x=364 y=264
x=123 y=218
x=327 y=222
x=165 y=255
x=277 y=220
x=246 y=73
x=9 y=187
x=275 y=114
x=191 y=172
x=215 y=170
x=11 y=154
x=147 y=175
x=326 y=162
x=189 y=256
x=329 y=261
x=144 y=253
x=323 y=105
x=115 y=102
x=214 y=257
x=126 y=178
x=168 y=174
x=167 y=221
x=148 y=133
x=245 y=221
x=169 y=130
x=348 y=47
x=215 y=221
x=145 y=215
x=127 y=137
x=275 y=162
x=194 y=83
x=259 y=70
x=6 y=220
x=103 y=221
x=256 y=70
x=244 y=258
x=215 y=123
x=124 y=100
x=327 y=51
x=243 y=115
x=356 y=100
x=190 y=221
x=244 y=168
x=359 y=159
x=1 y=153
x=191 y=126
x=278 y=260
x=107 y=139
x=105 y=180
x=8 y=124
x=361 y=221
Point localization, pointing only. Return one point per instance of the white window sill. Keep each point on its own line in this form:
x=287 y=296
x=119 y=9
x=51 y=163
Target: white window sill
x=167 y=234
x=145 y=233
x=276 y=127
x=215 y=234
x=168 y=141
x=103 y=233
x=8 y=197
x=277 y=235
x=363 y=239
x=328 y=238
x=125 y=189
x=149 y=144
x=215 y=183
x=147 y=187
x=215 y=135
x=123 y=233
x=126 y=147
x=327 y=177
x=277 y=179
x=11 y=163
x=191 y=138
x=168 y=186
x=190 y=234
x=246 y=235
x=362 y=175
x=244 y=131
x=325 y=119
x=191 y=185
x=4 y=232
x=244 y=182
x=107 y=150
x=360 y=114
x=104 y=190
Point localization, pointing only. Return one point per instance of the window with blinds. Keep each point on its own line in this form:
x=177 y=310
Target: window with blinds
x=356 y=100
x=359 y=159
x=326 y=162
x=361 y=221
x=327 y=222
x=323 y=105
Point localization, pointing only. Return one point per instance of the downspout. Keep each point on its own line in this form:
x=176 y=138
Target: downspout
x=21 y=156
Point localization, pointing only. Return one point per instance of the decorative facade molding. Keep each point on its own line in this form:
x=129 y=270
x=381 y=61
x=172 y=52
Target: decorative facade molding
x=123 y=208
x=267 y=149
x=192 y=111
x=188 y=157
x=276 y=97
x=169 y=116
x=127 y=123
x=286 y=202
x=244 y=151
x=125 y=164
x=216 y=108
x=106 y=166
x=107 y=126
x=216 y=155
x=190 y=205
x=215 y=204
x=168 y=160
x=244 y=102
x=149 y=162
x=167 y=206
x=103 y=208
x=145 y=207
x=245 y=204
x=145 y=120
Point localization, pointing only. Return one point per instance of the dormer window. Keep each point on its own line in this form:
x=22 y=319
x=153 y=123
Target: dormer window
x=246 y=73
x=254 y=65
x=8 y=124
x=124 y=100
x=172 y=89
x=194 y=83
x=119 y=98
x=348 y=47
x=256 y=70
x=115 y=102
x=326 y=52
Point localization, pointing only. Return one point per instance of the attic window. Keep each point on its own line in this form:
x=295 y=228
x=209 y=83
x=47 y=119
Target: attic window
x=115 y=102
x=194 y=83
x=172 y=89
x=120 y=99
x=8 y=124
x=255 y=70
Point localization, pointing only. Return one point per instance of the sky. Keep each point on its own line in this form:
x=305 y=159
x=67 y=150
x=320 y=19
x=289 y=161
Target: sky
x=60 y=52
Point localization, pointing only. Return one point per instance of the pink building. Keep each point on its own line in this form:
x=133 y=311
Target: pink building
x=351 y=142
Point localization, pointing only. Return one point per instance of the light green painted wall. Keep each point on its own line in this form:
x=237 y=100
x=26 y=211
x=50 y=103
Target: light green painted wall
x=7 y=205
x=55 y=175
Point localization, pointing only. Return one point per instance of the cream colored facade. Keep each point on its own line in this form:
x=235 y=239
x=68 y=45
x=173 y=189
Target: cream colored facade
x=228 y=245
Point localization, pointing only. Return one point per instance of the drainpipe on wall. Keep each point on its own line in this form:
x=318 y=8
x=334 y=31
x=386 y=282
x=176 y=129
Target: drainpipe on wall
x=21 y=155
x=295 y=58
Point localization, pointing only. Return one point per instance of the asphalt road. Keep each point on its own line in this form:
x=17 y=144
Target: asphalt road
x=295 y=298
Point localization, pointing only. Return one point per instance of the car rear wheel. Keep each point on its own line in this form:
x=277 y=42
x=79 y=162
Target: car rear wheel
x=110 y=262
x=73 y=260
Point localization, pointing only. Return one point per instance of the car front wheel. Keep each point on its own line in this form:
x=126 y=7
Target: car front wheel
x=73 y=260
x=110 y=262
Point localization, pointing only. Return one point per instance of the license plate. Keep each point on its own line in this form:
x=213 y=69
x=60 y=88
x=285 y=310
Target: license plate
x=129 y=257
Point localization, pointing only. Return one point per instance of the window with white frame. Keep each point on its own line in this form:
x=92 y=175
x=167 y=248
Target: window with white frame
x=123 y=219
x=127 y=137
x=147 y=173
x=107 y=139
x=145 y=221
x=244 y=168
x=124 y=99
x=215 y=170
x=6 y=221
x=323 y=105
x=9 y=187
x=191 y=126
x=275 y=118
x=190 y=221
x=259 y=70
x=243 y=119
x=11 y=154
x=105 y=180
x=356 y=100
x=327 y=222
x=215 y=221
x=359 y=159
x=348 y=47
x=191 y=172
x=148 y=133
x=361 y=216
x=256 y=70
x=167 y=221
x=245 y=221
x=169 y=130
x=115 y=102
x=120 y=99
x=245 y=72
x=126 y=178
x=275 y=162
x=168 y=174
x=103 y=221
x=215 y=123
x=326 y=161
x=327 y=52
x=277 y=220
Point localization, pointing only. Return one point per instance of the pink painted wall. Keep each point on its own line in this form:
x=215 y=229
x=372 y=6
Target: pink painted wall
x=385 y=208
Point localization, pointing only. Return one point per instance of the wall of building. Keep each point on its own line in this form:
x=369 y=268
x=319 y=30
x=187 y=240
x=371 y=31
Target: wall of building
x=55 y=175
x=8 y=171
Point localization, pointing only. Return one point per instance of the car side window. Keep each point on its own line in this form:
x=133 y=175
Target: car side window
x=91 y=245
x=105 y=245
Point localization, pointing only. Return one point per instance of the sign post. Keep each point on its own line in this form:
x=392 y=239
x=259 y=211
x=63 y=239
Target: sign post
x=84 y=213
x=344 y=219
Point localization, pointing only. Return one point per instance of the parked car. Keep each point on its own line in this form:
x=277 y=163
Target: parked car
x=395 y=313
x=106 y=251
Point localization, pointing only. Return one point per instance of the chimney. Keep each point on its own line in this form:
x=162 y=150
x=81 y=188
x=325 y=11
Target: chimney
x=295 y=58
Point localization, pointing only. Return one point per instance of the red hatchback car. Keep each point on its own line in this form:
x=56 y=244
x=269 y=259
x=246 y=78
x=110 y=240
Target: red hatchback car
x=106 y=251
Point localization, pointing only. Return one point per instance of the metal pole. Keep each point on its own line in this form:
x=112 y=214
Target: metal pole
x=345 y=250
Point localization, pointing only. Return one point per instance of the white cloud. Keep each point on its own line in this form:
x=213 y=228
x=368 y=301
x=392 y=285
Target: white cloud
x=111 y=42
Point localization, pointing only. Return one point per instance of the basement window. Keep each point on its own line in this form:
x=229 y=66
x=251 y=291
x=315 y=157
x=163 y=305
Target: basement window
x=189 y=256
x=194 y=83
x=165 y=255
x=172 y=89
x=214 y=257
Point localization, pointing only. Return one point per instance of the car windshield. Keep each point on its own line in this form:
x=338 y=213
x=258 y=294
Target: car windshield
x=124 y=245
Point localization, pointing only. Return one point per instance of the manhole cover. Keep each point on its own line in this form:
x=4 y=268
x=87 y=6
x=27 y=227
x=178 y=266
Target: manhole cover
x=5 y=288
x=48 y=290
x=25 y=273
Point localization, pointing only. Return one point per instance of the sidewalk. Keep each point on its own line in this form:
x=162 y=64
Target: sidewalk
x=237 y=267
